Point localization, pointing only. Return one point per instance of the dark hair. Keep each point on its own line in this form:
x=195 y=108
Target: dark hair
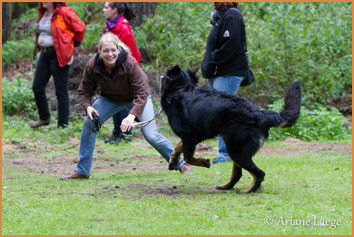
x=222 y=6
x=55 y=4
x=123 y=9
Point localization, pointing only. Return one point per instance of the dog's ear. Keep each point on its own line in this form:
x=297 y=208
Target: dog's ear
x=174 y=72
x=193 y=74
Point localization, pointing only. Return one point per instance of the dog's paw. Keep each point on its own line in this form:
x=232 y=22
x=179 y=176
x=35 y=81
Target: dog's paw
x=207 y=163
x=172 y=166
x=223 y=187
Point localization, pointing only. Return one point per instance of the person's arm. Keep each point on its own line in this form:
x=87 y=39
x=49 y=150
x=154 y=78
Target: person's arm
x=139 y=83
x=127 y=123
x=86 y=91
x=75 y=24
x=140 y=88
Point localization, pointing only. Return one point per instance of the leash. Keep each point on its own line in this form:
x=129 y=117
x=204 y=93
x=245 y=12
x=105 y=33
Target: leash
x=158 y=111
x=145 y=123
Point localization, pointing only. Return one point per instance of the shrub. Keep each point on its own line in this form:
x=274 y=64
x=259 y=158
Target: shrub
x=16 y=50
x=320 y=123
x=176 y=34
x=17 y=96
x=92 y=35
x=300 y=41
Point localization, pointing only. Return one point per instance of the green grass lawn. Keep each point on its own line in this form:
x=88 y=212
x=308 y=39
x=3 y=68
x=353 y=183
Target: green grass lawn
x=132 y=192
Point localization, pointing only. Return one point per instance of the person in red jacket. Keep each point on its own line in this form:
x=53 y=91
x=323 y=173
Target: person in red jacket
x=59 y=31
x=117 y=16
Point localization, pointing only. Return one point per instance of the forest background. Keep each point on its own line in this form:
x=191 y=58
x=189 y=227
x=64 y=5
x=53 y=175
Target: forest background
x=309 y=42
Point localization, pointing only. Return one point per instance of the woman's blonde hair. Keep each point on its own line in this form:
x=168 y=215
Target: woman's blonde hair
x=112 y=38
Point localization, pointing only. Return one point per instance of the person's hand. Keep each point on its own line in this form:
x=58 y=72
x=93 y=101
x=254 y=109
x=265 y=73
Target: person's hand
x=89 y=111
x=127 y=123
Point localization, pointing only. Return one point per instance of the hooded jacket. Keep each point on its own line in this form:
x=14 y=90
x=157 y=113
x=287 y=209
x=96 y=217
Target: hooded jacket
x=225 y=53
x=127 y=83
x=68 y=30
x=123 y=31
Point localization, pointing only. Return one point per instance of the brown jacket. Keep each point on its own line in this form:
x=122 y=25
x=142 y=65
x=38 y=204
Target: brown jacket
x=128 y=84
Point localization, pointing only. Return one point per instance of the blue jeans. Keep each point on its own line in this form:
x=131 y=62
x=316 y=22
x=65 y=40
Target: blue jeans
x=229 y=84
x=117 y=121
x=106 y=109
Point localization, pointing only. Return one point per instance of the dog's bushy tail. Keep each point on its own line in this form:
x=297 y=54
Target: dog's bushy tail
x=290 y=112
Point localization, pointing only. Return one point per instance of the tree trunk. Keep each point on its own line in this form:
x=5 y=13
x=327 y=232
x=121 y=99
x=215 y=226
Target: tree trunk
x=18 y=8
x=6 y=21
x=141 y=10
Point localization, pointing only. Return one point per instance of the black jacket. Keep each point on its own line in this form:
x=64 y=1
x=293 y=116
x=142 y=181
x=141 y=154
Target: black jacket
x=225 y=53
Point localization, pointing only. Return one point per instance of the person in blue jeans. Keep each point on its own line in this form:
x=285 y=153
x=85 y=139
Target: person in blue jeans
x=123 y=85
x=225 y=62
x=118 y=15
x=117 y=134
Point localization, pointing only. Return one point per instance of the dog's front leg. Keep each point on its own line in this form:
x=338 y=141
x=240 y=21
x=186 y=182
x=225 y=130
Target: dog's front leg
x=188 y=152
x=199 y=162
x=175 y=156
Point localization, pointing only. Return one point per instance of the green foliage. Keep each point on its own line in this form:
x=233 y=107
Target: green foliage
x=286 y=42
x=92 y=35
x=15 y=50
x=313 y=125
x=310 y=42
x=176 y=34
x=17 y=96
x=300 y=41
x=89 y=12
x=28 y=15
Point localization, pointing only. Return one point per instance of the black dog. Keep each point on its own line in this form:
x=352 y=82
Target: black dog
x=198 y=113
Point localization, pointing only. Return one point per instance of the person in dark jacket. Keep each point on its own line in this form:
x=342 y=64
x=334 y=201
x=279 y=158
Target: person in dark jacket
x=225 y=62
x=123 y=84
x=59 y=31
x=117 y=16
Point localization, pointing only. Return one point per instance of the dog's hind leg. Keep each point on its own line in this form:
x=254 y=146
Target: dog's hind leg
x=235 y=177
x=257 y=174
x=175 y=156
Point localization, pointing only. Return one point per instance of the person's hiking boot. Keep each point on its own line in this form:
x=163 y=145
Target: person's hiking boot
x=185 y=169
x=221 y=160
x=127 y=138
x=115 y=138
x=74 y=175
x=40 y=123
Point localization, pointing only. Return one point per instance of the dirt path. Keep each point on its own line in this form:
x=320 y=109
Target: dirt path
x=32 y=160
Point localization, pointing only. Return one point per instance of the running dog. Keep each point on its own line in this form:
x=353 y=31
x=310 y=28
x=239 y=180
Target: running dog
x=199 y=113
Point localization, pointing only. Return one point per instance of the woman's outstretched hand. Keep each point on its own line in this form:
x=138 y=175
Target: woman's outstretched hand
x=127 y=123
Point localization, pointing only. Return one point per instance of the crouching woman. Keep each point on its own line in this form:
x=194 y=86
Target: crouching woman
x=122 y=84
